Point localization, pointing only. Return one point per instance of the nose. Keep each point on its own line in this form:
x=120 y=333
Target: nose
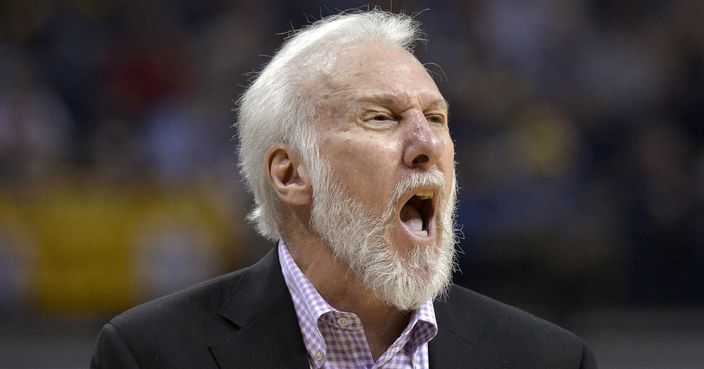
x=424 y=144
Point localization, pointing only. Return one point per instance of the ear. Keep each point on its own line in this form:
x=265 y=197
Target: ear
x=287 y=176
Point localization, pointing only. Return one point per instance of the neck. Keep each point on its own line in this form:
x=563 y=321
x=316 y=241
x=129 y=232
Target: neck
x=383 y=323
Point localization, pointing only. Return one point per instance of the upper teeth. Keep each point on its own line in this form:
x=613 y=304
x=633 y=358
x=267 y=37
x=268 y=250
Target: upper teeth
x=424 y=195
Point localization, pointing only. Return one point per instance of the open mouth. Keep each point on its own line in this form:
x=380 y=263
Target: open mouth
x=417 y=213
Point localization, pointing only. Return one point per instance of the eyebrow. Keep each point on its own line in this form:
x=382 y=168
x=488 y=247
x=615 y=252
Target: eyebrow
x=393 y=99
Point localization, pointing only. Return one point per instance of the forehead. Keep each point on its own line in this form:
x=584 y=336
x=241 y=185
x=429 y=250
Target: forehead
x=381 y=72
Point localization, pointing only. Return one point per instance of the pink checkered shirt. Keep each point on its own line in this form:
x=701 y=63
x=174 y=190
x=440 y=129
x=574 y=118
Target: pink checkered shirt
x=335 y=339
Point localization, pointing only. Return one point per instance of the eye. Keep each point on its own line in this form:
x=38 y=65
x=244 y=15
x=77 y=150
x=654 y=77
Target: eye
x=435 y=118
x=379 y=120
x=381 y=116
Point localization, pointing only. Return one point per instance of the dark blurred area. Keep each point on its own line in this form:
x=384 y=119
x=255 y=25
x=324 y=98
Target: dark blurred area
x=579 y=134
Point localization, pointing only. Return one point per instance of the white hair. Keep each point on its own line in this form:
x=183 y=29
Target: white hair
x=277 y=108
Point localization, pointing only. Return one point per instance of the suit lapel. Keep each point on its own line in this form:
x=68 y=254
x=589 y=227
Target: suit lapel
x=268 y=334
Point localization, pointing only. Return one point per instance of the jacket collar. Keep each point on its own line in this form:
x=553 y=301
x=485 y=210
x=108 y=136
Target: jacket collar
x=268 y=335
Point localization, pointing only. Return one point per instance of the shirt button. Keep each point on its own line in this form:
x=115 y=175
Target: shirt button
x=343 y=321
x=318 y=356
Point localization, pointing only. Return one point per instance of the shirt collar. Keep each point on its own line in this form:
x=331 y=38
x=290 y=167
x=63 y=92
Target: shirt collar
x=308 y=303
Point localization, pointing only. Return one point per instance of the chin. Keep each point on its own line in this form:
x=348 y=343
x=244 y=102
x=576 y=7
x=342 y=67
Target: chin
x=421 y=275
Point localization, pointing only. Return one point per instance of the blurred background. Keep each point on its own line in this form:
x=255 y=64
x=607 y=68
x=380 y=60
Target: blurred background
x=579 y=135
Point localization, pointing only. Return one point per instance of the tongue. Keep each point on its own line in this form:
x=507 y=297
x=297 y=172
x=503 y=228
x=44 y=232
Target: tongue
x=411 y=217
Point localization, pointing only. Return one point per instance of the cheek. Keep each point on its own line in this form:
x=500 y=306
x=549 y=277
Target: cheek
x=447 y=163
x=364 y=152
x=365 y=166
x=448 y=157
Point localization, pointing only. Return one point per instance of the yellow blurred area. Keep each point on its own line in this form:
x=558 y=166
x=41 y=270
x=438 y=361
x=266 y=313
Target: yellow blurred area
x=98 y=247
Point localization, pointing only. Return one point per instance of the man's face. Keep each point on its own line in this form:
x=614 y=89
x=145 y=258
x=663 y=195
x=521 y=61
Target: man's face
x=383 y=136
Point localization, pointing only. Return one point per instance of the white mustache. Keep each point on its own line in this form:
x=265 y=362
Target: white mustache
x=417 y=179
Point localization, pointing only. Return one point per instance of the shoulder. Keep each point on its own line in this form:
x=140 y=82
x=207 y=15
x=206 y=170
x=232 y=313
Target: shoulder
x=203 y=304
x=179 y=330
x=181 y=319
x=199 y=302
x=171 y=331
x=509 y=332
x=470 y=305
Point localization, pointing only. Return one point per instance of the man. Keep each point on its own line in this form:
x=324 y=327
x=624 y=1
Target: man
x=344 y=143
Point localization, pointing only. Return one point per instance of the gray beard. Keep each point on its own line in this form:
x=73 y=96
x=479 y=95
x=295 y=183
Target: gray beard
x=358 y=237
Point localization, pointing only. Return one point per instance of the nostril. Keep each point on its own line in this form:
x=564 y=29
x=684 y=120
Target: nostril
x=421 y=159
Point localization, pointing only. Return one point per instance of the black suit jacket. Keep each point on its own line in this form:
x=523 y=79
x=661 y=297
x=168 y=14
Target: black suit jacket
x=246 y=319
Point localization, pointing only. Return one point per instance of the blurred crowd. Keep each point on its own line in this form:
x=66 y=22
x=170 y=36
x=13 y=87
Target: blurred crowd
x=578 y=125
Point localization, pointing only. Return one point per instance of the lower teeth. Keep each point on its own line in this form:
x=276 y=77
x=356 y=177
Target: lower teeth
x=421 y=233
